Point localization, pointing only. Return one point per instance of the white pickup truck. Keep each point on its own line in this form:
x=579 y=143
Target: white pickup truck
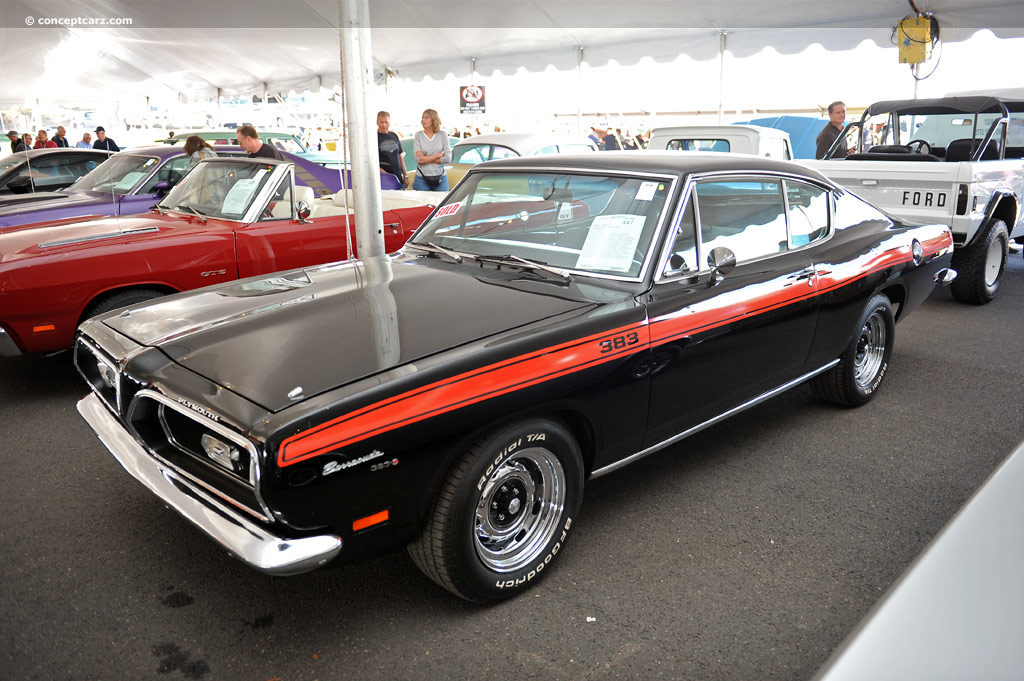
x=736 y=139
x=957 y=161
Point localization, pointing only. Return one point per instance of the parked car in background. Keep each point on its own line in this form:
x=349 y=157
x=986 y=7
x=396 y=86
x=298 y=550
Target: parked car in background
x=228 y=218
x=43 y=170
x=131 y=182
x=736 y=139
x=466 y=153
x=556 y=318
x=285 y=141
x=958 y=161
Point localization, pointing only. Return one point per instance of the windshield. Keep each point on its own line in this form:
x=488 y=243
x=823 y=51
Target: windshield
x=289 y=144
x=594 y=224
x=219 y=189
x=118 y=174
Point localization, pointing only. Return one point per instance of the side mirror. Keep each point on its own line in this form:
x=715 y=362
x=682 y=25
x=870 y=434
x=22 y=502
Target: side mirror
x=721 y=260
x=161 y=188
x=304 y=211
x=20 y=185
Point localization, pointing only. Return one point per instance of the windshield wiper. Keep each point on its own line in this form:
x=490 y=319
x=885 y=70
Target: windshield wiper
x=529 y=264
x=192 y=210
x=431 y=247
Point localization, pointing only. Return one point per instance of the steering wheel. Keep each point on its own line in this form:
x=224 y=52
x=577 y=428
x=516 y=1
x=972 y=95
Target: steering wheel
x=922 y=147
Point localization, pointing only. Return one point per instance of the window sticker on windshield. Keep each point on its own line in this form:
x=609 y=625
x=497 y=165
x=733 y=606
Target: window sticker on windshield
x=646 y=191
x=128 y=181
x=564 y=212
x=450 y=209
x=239 y=196
x=611 y=243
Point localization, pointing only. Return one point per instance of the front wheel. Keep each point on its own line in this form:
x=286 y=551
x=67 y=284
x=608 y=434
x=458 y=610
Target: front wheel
x=503 y=513
x=980 y=266
x=864 y=363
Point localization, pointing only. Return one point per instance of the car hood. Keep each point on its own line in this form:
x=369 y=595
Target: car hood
x=308 y=331
x=59 y=203
x=35 y=238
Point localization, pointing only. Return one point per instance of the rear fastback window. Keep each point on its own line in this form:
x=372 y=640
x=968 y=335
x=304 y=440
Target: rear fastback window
x=689 y=144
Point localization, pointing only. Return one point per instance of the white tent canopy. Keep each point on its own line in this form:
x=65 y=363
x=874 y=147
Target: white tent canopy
x=195 y=50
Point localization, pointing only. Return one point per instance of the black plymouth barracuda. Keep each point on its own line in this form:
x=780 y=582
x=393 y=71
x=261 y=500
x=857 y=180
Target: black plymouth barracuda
x=554 y=319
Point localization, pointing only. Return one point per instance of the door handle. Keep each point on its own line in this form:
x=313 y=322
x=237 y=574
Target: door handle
x=807 y=275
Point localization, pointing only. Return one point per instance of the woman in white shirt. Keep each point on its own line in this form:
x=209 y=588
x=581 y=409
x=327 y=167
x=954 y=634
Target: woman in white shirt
x=432 y=150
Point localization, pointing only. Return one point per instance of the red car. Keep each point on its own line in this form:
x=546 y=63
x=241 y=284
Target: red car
x=228 y=219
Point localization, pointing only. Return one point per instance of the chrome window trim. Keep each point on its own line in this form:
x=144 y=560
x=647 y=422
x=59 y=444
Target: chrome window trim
x=689 y=190
x=237 y=438
x=712 y=421
x=262 y=199
x=632 y=174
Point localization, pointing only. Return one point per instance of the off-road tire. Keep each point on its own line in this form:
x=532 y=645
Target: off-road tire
x=980 y=266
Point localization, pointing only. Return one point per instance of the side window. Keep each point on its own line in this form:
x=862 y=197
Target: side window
x=683 y=256
x=808 y=212
x=77 y=167
x=551 y=149
x=46 y=174
x=472 y=155
x=172 y=172
x=502 y=152
x=280 y=206
x=747 y=216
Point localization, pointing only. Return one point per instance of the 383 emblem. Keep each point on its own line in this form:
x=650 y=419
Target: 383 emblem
x=619 y=342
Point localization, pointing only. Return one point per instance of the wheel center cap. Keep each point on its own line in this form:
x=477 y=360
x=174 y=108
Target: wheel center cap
x=514 y=505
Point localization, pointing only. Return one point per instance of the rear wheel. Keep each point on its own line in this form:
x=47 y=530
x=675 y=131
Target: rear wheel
x=863 y=365
x=980 y=266
x=503 y=513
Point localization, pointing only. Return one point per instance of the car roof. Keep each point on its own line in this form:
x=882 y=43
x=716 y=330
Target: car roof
x=227 y=132
x=522 y=142
x=32 y=153
x=694 y=130
x=946 y=105
x=663 y=162
x=164 y=151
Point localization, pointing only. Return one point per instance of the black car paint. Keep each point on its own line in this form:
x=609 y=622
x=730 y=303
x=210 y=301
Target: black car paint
x=670 y=386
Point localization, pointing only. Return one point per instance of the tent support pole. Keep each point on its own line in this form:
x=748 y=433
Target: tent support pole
x=579 y=90
x=721 y=75
x=356 y=62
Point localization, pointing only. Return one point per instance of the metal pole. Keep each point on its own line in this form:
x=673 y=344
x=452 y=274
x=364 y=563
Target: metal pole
x=357 y=64
x=721 y=75
x=579 y=90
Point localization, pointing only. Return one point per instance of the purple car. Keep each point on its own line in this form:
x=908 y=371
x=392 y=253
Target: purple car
x=132 y=181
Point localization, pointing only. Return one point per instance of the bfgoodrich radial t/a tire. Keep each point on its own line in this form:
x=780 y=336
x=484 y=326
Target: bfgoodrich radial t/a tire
x=864 y=363
x=504 y=512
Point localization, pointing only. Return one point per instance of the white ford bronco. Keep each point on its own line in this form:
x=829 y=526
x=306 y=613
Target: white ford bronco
x=736 y=139
x=957 y=161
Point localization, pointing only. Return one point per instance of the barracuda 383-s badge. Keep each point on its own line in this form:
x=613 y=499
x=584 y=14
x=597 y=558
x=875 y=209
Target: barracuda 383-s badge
x=334 y=466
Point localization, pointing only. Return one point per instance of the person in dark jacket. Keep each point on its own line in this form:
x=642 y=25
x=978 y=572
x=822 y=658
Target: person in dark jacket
x=60 y=139
x=104 y=142
x=16 y=143
x=250 y=140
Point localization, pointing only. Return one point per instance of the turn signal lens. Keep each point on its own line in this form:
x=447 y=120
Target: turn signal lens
x=370 y=521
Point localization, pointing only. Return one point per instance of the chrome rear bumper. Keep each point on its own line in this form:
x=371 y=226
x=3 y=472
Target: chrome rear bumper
x=248 y=541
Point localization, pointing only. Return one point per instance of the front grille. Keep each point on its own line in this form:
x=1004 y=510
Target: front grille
x=225 y=464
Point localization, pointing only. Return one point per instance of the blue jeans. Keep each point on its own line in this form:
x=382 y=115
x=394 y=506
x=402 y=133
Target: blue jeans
x=419 y=184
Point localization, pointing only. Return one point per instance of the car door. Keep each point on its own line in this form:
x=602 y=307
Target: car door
x=721 y=341
x=278 y=240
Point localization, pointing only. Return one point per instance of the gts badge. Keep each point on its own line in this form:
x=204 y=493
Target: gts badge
x=334 y=466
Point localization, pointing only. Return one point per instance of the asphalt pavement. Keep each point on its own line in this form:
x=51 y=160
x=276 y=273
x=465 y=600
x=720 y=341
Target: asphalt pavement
x=748 y=551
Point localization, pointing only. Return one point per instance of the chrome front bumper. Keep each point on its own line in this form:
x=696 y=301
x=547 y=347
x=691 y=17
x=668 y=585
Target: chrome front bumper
x=249 y=542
